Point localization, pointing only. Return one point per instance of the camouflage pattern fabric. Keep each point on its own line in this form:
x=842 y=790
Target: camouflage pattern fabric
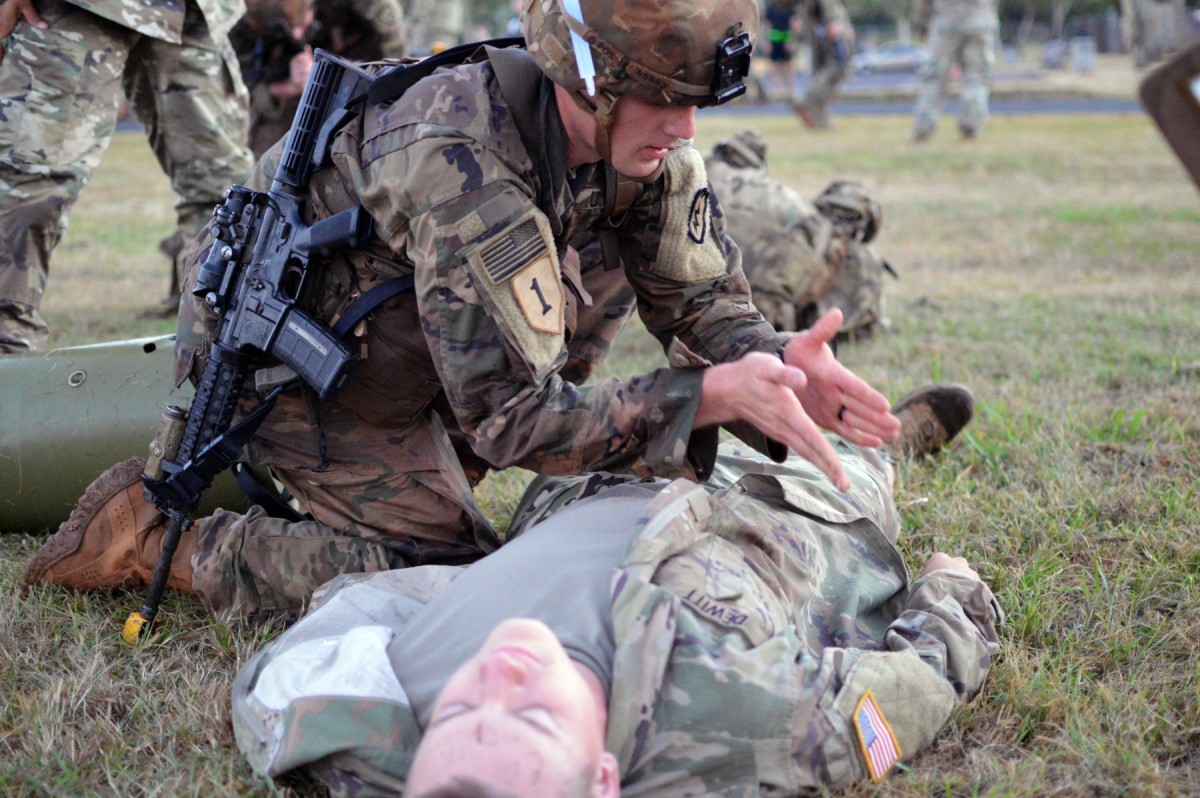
x=802 y=257
x=830 y=57
x=961 y=32
x=58 y=111
x=167 y=20
x=750 y=618
x=504 y=323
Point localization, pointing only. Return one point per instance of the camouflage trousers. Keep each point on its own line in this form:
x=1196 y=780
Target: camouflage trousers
x=973 y=51
x=60 y=91
x=829 y=69
x=384 y=498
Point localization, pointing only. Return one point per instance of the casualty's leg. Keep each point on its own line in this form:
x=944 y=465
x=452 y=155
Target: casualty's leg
x=930 y=417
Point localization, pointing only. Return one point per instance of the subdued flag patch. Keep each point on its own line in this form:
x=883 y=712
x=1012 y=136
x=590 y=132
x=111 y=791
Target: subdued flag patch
x=512 y=251
x=875 y=737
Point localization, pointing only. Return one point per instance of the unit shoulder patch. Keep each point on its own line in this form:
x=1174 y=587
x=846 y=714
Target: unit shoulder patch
x=688 y=251
x=518 y=269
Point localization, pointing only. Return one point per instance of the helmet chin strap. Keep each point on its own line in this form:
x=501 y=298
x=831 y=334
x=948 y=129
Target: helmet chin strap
x=603 y=109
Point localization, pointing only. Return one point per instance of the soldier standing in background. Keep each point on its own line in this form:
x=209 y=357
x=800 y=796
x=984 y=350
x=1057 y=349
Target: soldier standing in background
x=802 y=258
x=780 y=17
x=961 y=33
x=830 y=39
x=63 y=70
x=360 y=30
x=275 y=60
x=275 y=40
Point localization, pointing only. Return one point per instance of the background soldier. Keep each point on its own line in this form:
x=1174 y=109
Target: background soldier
x=830 y=39
x=961 y=33
x=802 y=258
x=781 y=29
x=275 y=40
x=63 y=71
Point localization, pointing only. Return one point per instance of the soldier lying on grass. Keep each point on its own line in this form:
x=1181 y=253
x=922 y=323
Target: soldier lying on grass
x=758 y=634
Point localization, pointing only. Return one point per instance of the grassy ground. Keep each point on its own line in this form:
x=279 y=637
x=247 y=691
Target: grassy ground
x=1050 y=265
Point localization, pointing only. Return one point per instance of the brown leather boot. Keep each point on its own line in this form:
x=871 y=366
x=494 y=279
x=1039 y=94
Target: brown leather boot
x=930 y=417
x=112 y=539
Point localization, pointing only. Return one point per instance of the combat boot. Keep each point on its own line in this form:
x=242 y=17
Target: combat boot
x=112 y=539
x=930 y=417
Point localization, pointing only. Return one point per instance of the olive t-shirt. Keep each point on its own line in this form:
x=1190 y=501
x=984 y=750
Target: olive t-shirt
x=559 y=572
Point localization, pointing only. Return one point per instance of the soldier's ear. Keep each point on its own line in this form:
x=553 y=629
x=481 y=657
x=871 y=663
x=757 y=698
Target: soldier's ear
x=608 y=778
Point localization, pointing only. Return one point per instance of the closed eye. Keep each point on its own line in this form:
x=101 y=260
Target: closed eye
x=449 y=711
x=541 y=719
x=537 y=717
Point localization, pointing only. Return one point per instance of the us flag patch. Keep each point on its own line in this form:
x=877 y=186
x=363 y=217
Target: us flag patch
x=512 y=251
x=875 y=738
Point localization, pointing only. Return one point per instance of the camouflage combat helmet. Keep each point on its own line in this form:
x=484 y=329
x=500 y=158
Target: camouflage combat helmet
x=684 y=52
x=847 y=203
x=746 y=149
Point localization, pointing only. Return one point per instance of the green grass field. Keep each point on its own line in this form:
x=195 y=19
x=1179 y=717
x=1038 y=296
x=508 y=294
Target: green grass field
x=1051 y=265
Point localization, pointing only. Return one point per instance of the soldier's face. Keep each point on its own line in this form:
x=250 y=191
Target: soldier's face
x=518 y=715
x=643 y=134
x=641 y=137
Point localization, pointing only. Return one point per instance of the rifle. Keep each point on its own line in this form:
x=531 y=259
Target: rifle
x=254 y=279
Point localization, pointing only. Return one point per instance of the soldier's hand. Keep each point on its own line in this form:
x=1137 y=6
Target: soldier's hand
x=835 y=397
x=11 y=12
x=944 y=562
x=761 y=390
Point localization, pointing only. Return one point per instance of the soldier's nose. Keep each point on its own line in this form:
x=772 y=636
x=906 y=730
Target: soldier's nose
x=502 y=674
x=680 y=121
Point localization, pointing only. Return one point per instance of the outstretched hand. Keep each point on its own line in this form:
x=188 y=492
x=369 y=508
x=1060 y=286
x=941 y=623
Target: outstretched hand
x=791 y=400
x=12 y=11
x=835 y=397
x=941 y=561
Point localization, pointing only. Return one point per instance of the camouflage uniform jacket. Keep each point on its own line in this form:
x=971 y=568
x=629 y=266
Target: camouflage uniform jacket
x=751 y=618
x=163 y=19
x=503 y=323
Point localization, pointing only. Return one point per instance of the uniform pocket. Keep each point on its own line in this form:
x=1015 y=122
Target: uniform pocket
x=713 y=578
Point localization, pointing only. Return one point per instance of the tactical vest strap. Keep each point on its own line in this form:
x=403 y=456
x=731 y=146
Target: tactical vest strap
x=391 y=84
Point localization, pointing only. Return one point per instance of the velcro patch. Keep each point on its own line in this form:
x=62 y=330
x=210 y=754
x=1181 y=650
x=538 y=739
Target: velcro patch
x=538 y=291
x=512 y=250
x=688 y=251
x=518 y=269
x=875 y=738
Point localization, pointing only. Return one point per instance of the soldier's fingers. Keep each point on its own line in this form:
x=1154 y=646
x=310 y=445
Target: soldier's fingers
x=811 y=444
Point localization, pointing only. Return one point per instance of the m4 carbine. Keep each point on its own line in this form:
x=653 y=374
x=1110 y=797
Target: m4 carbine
x=254 y=279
